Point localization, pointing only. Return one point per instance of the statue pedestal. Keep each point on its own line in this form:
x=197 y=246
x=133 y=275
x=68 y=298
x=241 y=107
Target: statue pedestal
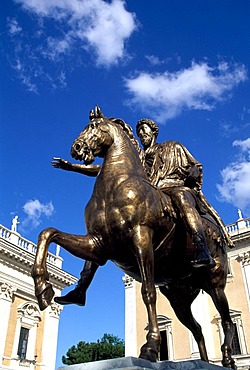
x=132 y=363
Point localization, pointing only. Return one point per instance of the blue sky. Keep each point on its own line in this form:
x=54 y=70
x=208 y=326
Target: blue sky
x=183 y=64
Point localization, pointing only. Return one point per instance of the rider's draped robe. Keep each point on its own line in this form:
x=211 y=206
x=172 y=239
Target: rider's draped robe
x=170 y=164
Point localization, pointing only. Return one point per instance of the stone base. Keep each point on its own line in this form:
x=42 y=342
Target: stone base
x=133 y=363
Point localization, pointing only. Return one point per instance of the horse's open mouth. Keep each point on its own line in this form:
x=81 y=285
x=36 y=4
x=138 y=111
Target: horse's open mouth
x=81 y=151
x=83 y=155
x=88 y=158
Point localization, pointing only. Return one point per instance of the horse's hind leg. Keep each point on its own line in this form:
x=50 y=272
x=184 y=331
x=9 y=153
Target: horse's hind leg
x=85 y=247
x=181 y=303
x=220 y=300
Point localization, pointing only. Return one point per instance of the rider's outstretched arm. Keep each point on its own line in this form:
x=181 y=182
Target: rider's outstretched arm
x=88 y=170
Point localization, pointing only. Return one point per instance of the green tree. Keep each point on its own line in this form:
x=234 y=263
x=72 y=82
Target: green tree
x=109 y=346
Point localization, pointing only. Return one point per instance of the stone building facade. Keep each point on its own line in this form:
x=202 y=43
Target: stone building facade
x=28 y=337
x=177 y=342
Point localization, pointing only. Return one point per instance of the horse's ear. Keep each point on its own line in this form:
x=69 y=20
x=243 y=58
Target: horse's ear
x=91 y=114
x=98 y=112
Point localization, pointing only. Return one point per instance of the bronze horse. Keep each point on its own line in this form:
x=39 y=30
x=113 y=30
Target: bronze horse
x=126 y=224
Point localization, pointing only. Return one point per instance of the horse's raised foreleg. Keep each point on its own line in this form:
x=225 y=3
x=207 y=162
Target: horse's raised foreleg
x=181 y=300
x=221 y=303
x=86 y=247
x=144 y=252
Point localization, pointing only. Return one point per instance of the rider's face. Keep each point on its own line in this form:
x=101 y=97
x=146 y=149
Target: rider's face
x=146 y=135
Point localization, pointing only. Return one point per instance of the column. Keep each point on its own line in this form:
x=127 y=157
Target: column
x=200 y=310
x=50 y=336
x=6 y=294
x=130 y=317
x=246 y=274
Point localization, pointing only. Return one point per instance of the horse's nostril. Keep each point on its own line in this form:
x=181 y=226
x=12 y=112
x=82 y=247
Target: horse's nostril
x=77 y=147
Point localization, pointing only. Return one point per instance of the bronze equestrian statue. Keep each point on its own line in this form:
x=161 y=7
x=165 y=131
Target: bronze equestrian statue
x=169 y=167
x=133 y=223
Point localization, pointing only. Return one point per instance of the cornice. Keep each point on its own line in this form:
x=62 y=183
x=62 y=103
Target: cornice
x=240 y=237
x=22 y=260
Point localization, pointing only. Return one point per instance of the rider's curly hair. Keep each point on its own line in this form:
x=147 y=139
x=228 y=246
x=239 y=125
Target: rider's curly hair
x=150 y=123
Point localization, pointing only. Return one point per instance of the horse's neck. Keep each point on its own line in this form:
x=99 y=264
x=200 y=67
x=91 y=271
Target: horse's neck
x=122 y=159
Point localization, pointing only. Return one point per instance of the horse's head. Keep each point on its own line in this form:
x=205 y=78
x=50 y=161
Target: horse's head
x=94 y=140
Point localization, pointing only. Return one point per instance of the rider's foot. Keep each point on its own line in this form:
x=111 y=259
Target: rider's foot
x=203 y=258
x=75 y=296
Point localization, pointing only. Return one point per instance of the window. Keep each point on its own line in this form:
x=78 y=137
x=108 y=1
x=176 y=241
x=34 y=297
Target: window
x=164 y=346
x=229 y=271
x=23 y=343
x=236 y=342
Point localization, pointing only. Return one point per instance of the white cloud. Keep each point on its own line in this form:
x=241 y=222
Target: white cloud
x=108 y=31
x=26 y=62
x=35 y=211
x=56 y=48
x=235 y=186
x=200 y=87
x=101 y=27
x=64 y=34
x=243 y=144
x=23 y=76
x=13 y=26
x=156 y=61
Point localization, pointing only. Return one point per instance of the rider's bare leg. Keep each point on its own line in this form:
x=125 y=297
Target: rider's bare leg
x=186 y=205
x=78 y=294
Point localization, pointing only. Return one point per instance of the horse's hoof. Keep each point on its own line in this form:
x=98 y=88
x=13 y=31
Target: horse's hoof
x=149 y=354
x=229 y=363
x=45 y=297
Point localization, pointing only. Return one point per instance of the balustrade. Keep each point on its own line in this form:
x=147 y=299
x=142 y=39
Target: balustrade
x=238 y=226
x=27 y=245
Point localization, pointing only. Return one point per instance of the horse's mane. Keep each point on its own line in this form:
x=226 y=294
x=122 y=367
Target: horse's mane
x=129 y=132
x=97 y=113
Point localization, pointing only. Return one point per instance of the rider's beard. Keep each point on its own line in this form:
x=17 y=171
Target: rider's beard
x=146 y=140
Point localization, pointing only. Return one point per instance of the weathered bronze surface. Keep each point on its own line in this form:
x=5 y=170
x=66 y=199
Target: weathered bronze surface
x=146 y=214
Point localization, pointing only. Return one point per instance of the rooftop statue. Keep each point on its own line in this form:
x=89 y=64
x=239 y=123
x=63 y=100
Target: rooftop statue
x=148 y=215
x=14 y=224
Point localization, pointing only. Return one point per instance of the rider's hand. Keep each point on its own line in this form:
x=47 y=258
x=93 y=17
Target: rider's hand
x=61 y=163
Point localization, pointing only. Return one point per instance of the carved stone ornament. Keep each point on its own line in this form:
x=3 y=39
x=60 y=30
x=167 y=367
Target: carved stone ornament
x=244 y=258
x=30 y=310
x=6 y=291
x=55 y=310
x=128 y=281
